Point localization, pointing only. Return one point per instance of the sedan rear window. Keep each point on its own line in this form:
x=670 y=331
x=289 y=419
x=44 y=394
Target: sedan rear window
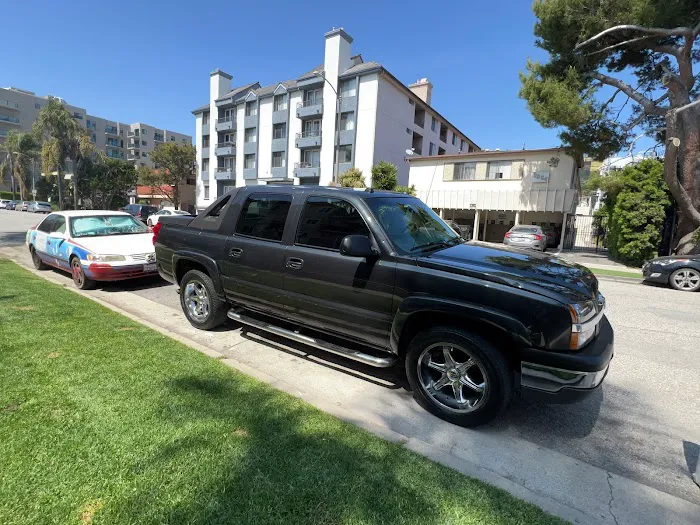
x=102 y=225
x=525 y=229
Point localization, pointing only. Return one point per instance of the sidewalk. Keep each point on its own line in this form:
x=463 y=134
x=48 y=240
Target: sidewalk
x=560 y=485
x=598 y=260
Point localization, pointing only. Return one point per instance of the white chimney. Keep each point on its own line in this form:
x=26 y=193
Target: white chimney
x=219 y=84
x=423 y=89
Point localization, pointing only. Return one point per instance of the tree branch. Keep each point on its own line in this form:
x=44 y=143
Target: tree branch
x=670 y=73
x=649 y=107
x=651 y=31
x=619 y=44
x=636 y=122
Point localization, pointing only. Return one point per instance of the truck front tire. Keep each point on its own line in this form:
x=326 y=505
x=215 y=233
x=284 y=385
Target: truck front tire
x=459 y=376
x=200 y=302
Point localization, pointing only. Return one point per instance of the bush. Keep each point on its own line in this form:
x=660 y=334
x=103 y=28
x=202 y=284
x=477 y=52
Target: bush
x=352 y=178
x=406 y=189
x=384 y=176
x=636 y=212
x=8 y=195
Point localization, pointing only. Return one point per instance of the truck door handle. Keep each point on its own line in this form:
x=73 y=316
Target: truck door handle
x=295 y=263
x=236 y=252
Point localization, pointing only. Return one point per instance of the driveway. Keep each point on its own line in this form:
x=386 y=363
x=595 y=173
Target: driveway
x=643 y=426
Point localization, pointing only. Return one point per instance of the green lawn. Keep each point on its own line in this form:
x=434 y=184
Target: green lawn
x=616 y=273
x=105 y=421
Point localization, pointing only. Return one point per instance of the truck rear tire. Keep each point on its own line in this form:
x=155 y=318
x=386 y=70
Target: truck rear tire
x=200 y=302
x=458 y=376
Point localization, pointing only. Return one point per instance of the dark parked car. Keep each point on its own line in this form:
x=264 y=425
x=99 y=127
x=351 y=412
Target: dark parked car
x=12 y=204
x=682 y=272
x=379 y=278
x=140 y=211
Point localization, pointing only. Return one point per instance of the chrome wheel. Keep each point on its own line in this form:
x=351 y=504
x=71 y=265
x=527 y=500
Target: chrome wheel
x=197 y=301
x=453 y=378
x=686 y=279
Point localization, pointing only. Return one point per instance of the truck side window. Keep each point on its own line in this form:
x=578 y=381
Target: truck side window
x=263 y=216
x=325 y=221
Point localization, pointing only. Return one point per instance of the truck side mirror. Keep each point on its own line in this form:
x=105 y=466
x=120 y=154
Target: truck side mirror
x=357 y=246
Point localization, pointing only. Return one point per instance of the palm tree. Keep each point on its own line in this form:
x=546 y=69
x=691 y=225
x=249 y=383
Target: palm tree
x=21 y=149
x=62 y=139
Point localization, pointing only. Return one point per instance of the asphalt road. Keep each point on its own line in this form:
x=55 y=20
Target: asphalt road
x=643 y=424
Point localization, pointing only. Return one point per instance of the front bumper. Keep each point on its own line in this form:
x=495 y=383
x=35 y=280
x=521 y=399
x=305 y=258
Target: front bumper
x=559 y=377
x=655 y=273
x=108 y=272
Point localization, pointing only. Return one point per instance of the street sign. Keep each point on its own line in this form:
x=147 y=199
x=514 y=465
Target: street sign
x=33 y=193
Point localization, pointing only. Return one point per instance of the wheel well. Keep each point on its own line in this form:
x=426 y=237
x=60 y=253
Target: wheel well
x=185 y=265
x=426 y=320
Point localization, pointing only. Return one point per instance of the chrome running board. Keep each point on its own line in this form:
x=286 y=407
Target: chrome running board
x=379 y=362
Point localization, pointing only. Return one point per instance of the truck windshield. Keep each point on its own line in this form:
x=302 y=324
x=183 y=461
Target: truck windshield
x=411 y=225
x=99 y=225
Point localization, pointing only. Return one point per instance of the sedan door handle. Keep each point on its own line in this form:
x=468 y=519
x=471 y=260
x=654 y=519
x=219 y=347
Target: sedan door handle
x=236 y=252
x=295 y=263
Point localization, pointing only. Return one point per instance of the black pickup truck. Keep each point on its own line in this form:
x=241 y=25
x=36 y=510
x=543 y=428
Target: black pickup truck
x=379 y=278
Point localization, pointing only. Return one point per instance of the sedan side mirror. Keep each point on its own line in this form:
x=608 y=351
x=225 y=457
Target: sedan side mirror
x=357 y=246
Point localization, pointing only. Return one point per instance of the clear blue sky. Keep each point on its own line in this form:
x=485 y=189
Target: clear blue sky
x=150 y=61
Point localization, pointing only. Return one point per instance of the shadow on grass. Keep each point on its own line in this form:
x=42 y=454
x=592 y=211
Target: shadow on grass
x=280 y=461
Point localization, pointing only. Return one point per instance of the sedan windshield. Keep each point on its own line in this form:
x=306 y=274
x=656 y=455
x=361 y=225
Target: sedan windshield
x=411 y=225
x=101 y=225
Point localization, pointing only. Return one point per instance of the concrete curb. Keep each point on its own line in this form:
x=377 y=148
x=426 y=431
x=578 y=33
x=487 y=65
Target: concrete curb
x=605 y=498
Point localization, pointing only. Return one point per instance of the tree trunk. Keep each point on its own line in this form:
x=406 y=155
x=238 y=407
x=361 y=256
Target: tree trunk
x=176 y=196
x=59 y=185
x=682 y=174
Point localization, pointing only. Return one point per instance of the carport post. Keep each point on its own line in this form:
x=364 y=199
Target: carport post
x=517 y=218
x=563 y=231
x=475 y=233
x=486 y=223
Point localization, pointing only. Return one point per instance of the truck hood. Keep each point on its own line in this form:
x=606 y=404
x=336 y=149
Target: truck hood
x=532 y=271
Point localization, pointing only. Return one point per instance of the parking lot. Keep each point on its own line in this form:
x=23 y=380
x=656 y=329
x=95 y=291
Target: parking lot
x=644 y=424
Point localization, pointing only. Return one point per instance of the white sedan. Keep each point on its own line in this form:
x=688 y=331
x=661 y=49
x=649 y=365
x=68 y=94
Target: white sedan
x=93 y=246
x=165 y=212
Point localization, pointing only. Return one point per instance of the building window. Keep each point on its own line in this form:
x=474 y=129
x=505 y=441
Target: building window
x=205 y=164
x=279 y=131
x=432 y=149
x=184 y=141
x=280 y=103
x=144 y=132
x=454 y=139
x=443 y=133
x=263 y=216
x=463 y=148
x=205 y=141
x=77 y=115
x=227 y=163
x=311 y=158
x=278 y=160
x=249 y=161
x=93 y=138
x=251 y=135
x=348 y=88
x=158 y=137
x=419 y=117
x=313 y=97
x=251 y=109
x=434 y=125
x=144 y=143
x=465 y=171
x=205 y=118
x=325 y=221
x=312 y=128
x=408 y=130
x=229 y=138
x=410 y=101
x=501 y=170
x=347 y=121
x=206 y=192
x=144 y=155
x=37 y=106
x=172 y=139
x=345 y=154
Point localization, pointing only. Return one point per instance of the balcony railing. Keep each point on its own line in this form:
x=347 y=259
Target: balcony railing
x=221 y=120
x=158 y=138
x=111 y=130
x=114 y=144
x=7 y=104
x=305 y=165
x=309 y=102
x=225 y=144
x=12 y=120
x=311 y=133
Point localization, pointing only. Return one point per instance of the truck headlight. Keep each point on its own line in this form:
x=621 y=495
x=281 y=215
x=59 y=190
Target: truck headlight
x=584 y=322
x=105 y=258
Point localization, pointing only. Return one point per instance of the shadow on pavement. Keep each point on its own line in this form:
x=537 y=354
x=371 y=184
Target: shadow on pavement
x=12 y=238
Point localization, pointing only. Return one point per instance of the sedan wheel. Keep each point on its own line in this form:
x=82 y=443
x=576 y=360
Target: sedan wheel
x=686 y=280
x=81 y=282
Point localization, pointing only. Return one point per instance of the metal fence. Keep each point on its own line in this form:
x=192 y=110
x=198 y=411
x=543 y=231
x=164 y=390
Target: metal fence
x=586 y=233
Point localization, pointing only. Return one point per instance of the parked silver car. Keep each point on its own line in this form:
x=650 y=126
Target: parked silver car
x=39 y=207
x=526 y=236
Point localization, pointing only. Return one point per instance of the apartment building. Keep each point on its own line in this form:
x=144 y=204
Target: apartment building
x=135 y=142
x=344 y=113
x=490 y=191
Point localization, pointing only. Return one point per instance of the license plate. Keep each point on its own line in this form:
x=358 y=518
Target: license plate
x=149 y=267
